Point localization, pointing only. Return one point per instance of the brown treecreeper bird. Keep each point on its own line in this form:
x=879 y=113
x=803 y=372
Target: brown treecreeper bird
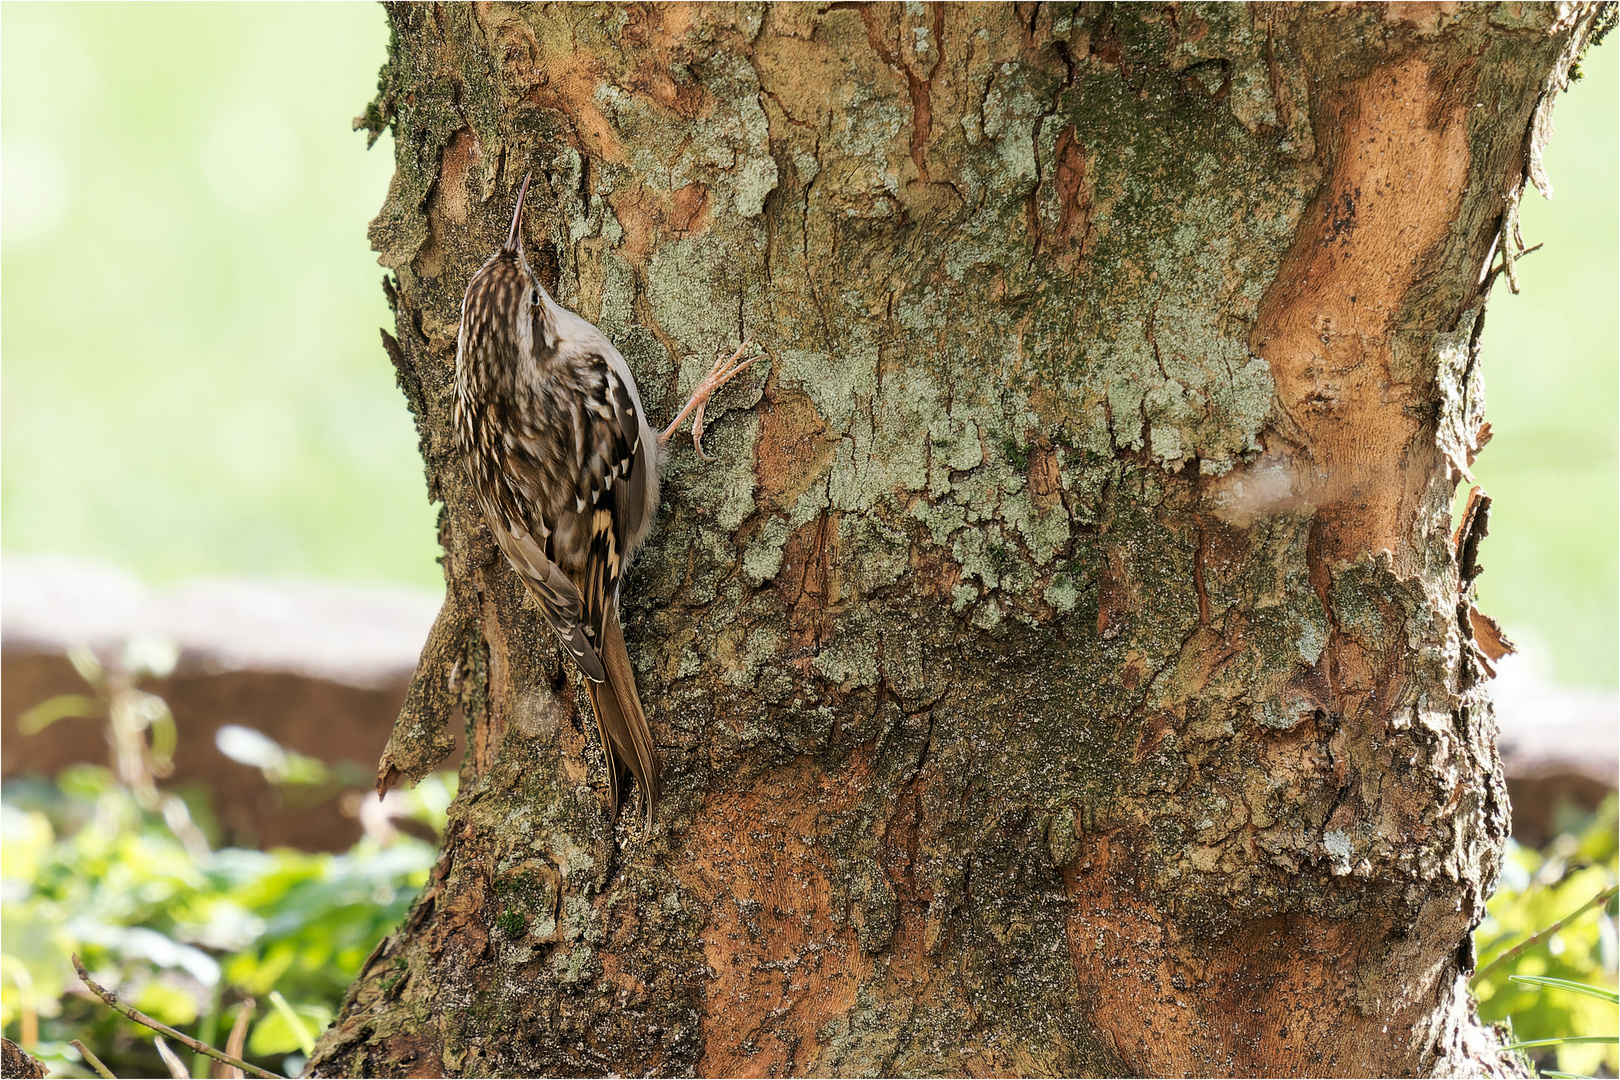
x=565 y=467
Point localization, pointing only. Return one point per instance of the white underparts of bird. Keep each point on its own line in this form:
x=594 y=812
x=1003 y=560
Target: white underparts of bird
x=564 y=467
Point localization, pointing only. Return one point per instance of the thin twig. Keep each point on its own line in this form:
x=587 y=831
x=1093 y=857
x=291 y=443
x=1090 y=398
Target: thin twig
x=92 y=1061
x=146 y=1021
x=1499 y=267
x=1510 y=233
x=238 y=1039
x=1537 y=938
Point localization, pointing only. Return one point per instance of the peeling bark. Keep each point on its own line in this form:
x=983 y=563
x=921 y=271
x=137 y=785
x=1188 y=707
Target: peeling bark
x=1068 y=665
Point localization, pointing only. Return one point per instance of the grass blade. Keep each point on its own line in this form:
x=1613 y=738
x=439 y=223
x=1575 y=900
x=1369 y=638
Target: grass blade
x=1573 y=987
x=1566 y=1040
x=294 y=1021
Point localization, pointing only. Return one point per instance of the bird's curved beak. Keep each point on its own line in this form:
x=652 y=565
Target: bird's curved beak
x=514 y=239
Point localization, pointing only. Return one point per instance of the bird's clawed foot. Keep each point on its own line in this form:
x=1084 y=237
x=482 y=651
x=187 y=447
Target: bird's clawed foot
x=721 y=373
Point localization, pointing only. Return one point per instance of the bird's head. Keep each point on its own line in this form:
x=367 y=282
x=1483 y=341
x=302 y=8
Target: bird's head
x=505 y=310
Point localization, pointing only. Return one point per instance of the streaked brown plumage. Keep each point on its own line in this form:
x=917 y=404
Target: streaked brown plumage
x=565 y=467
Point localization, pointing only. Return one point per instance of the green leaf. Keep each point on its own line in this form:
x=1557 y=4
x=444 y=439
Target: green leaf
x=129 y=897
x=57 y=708
x=1573 y=987
x=284 y=1030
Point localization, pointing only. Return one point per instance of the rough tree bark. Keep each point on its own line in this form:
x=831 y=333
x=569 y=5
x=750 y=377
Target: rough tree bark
x=1068 y=665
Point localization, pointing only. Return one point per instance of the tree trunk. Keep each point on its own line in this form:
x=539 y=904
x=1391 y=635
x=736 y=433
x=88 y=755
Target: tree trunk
x=1067 y=666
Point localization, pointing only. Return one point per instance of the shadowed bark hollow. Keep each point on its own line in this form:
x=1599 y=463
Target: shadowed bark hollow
x=1068 y=665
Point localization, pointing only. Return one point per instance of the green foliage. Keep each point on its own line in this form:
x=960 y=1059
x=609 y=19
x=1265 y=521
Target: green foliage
x=182 y=938
x=1557 y=992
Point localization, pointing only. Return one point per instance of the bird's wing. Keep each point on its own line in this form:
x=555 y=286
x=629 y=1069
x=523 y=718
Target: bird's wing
x=638 y=498
x=616 y=403
x=559 y=599
x=612 y=496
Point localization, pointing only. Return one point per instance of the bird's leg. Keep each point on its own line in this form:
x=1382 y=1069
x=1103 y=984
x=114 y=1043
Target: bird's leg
x=721 y=373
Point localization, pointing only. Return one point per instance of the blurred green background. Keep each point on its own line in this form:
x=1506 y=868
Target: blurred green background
x=1550 y=359
x=193 y=382
x=192 y=374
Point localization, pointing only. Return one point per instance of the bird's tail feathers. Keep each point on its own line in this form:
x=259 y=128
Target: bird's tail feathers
x=620 y=722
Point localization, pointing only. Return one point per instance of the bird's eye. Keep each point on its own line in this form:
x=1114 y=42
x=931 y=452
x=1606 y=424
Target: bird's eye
x=534 y=297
